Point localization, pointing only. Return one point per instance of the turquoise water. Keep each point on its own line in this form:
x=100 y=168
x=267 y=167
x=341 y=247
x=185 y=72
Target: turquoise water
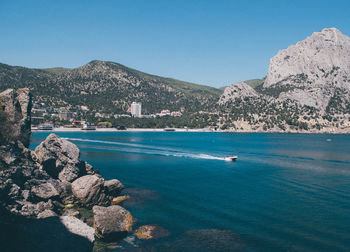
x=286 y=192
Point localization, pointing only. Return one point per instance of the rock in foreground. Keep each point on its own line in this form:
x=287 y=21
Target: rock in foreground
x=60 y=158
x=112 y=223
x=151 y=232
x=78 y=227
x=16 y=104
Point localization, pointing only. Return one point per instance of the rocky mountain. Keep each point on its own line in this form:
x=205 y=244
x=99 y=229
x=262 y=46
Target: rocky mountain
x=108 y=87
x=307 y=88
x=236 y=91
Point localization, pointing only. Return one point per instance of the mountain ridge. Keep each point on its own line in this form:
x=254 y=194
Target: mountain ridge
x=95 y=82
x=306 y=89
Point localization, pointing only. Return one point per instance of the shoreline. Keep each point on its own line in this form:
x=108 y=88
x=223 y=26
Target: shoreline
x=63 y=129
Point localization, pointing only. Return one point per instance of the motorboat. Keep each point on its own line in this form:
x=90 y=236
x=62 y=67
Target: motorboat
x=231 y=158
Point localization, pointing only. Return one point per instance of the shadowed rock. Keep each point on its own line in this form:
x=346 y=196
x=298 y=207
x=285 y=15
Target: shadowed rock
x=16 y=104
x=60 y=158
x=113 y=187
x=152 y=231
x=40 y=235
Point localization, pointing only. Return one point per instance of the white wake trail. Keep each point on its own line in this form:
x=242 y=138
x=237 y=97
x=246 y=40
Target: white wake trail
x=149 y=149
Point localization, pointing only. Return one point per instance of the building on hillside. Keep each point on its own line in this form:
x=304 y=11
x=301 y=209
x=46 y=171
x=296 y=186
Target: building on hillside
x=136 y=109
x=84 y=108
x=120 y=116
x=65 y=116
x=176 y=113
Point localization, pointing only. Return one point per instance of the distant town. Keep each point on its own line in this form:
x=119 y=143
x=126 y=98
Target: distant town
x=45 y=117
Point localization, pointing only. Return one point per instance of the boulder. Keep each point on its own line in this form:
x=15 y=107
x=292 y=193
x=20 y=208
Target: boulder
x=78 y=227
x=60 y=158
x=120 y=199
x=46 y=213
x=44 y=191
x=113 y=187
x=71 y=212
x=89 y=189
x=112 y=223
x=30 y=209
x=152 y=231
x=15 y=108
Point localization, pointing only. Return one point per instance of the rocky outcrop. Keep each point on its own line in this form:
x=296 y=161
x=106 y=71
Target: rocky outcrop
x=112 y=222
x=307 y=89
x=44 y=188
x=60 y=159
x=238 y=90
x=314 y=57
x=15 y=104
x=313 y=68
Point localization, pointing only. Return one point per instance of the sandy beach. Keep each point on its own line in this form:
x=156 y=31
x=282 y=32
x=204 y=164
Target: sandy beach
x=63 y=129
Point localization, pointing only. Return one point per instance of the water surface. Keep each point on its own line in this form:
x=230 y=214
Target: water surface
x=286 y=192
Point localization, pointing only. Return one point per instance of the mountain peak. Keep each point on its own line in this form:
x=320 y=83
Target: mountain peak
x=314 y=66
x=314 y=56
x=330 y=30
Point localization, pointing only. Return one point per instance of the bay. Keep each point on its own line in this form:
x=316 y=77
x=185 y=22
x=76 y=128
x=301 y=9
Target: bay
x=286 y=192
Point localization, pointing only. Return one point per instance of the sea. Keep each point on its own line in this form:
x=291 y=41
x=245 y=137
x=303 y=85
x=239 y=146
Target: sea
x=285 y=192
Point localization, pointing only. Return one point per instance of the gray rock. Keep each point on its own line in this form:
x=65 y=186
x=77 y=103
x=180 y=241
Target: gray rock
x=89 y=190
x=71 y=212
x=46 y=213
x=30 y=209
x=89 y=169
x=113 y=187
x=152 y=231
x=112 y=223
x=45 y=191
x=16 y=103
x=237 y=90
x=78 y=227
x=60 y=158
x=314 y=66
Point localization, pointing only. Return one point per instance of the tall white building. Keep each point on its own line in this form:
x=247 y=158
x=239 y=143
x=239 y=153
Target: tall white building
x=136 y=109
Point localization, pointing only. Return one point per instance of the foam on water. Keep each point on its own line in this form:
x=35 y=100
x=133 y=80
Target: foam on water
x=151 y=150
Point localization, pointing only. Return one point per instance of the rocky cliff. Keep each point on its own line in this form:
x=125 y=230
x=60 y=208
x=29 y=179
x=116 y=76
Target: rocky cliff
x=313 y=68
x=45 y=188
x=15 y=107
x=240 y=89
x=307 y=88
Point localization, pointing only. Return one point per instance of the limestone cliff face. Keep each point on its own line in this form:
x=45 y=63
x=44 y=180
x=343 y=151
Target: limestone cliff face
x=240 y=89
x=314 y=57
x=312 y=69
x=17 y=104
x=307 y=88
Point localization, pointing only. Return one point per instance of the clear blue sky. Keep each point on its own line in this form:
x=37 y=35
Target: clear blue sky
x=207 y=42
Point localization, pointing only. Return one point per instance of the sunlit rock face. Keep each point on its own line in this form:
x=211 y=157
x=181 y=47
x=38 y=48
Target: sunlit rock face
x=312 y=69
x=237 y=90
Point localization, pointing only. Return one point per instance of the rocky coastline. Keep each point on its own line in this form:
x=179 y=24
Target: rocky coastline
x=42 y=191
